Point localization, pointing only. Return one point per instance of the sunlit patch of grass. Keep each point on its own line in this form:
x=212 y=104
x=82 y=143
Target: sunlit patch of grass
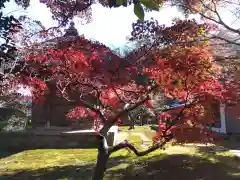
x=225 y=154
x=235 y=174
x=119 y=166
x=44 y=158
x=181 y=150
x=135 y=139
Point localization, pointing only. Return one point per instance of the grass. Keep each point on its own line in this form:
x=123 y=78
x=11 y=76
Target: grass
x=185 y=162
x=176 y=162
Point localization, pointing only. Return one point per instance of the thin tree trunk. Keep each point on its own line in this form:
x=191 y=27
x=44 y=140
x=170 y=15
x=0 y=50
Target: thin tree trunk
x=132 y=122
x=102 y=159
x=101 y=165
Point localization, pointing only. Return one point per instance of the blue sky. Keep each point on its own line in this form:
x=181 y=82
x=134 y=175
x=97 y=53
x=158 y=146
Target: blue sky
x=109 y=26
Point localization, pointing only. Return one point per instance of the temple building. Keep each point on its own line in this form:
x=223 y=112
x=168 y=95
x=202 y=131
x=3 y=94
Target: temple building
x=71 y=31
x=54 y=109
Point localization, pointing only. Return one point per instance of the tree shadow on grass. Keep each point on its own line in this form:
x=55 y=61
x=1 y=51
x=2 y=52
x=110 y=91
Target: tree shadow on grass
x=175 y=167
x=80 y=172
x=13 y=143
x=231 y=142
x=69 y=172
x=166 y=167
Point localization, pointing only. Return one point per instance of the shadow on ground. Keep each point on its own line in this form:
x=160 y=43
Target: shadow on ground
x=170 y=167
x=70 y=172
x=231 y=142
x=15 y=142
x=82 y=172
x=179 y=167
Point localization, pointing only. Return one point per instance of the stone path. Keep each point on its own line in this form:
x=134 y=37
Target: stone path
x=146 y=142
x=121 y=136
x=124 y=136
x=235 y=152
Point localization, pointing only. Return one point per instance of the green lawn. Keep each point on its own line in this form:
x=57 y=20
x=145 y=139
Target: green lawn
x=176 y=162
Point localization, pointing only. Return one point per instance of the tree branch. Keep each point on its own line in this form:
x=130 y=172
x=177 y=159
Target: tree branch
x=219 y=17
x=61 y=24
x=108 y=124
x=219 y=58
x=12 y=12
x=226 y=40
x=126 y=144
x=115 y=91
x=85 y=104
x=130 y=108
x=96 y=89
x=219 y=21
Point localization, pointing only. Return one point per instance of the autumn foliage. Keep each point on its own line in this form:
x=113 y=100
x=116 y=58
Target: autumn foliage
x=106 y=86
x=176 y=61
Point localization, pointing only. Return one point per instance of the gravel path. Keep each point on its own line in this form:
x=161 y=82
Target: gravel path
x=235 y=152
x=124 y=136
x=146 y=142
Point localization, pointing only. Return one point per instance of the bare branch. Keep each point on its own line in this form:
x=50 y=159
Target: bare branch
x=219 y=21
x=85 y=104
x=61 y=24
x=130 y=108
x=219 y=59
x=96 y=90
x=126 y=144
x=226 y=40
x=115 y=91
x=12 y=12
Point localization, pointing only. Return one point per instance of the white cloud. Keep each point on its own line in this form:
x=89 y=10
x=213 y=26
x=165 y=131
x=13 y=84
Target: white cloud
x=109 y=26
x=112 y=26
x=36 y=11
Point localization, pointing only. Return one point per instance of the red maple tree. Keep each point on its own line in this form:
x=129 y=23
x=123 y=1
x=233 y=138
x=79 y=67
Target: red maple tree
x=107 y=87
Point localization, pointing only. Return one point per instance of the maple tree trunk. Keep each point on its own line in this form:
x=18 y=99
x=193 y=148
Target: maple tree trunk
x=102 y=159
x=104 y=151
x=101 y=165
